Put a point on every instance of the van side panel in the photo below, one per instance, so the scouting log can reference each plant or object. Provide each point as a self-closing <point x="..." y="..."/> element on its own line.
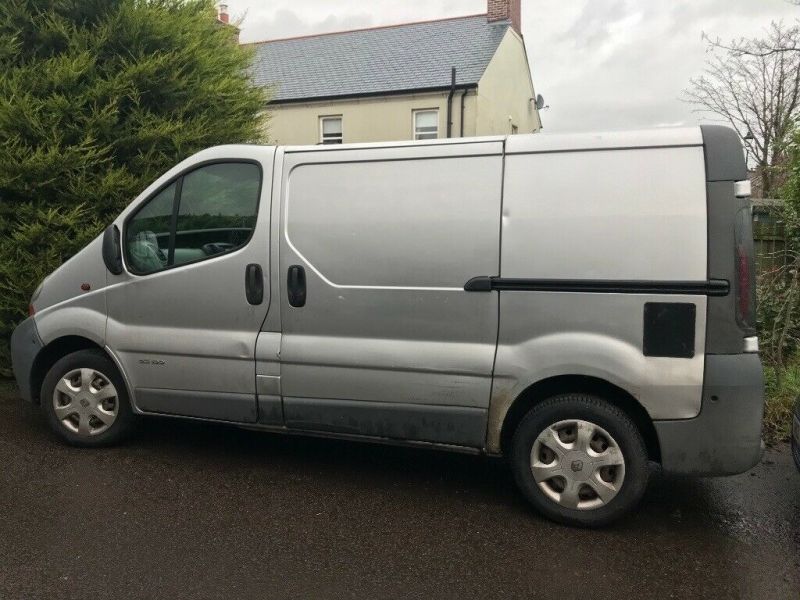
<point x="620" y="220"/>
<point x="388" y="343"/>
<point x="605" y="215"/>
<point x="63" y="308"/>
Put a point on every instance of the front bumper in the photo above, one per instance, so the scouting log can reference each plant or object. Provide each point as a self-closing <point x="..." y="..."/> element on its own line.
<point x="25" y="346"/>
<point x="725" y="438"/>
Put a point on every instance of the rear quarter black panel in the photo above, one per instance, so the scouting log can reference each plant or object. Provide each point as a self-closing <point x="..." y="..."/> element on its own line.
<point x="725" y="165"/>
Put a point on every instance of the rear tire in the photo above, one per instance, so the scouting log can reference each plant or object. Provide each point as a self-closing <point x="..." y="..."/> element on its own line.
<point x="580" y="460"/>
<point x="85" y="400"/>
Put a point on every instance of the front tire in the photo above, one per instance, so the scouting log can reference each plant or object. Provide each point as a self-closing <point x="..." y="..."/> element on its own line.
<point x="85" y="400"/>
<point x="580" y="460"/>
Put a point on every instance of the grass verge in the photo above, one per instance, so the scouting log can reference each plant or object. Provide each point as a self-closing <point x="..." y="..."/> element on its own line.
<point x="780" y="401"/>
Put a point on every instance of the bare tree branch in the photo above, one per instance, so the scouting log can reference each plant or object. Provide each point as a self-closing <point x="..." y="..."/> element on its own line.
<point x="787" y="43"/>
<point x="756" y="91"/>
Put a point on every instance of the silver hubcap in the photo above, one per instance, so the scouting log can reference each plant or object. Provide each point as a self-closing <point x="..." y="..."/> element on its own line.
<point x="577" y="464"/>
<point x="85" y="402"/>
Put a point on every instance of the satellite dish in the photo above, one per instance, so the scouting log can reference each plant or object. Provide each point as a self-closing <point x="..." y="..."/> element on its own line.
<point x="539" y="102"/>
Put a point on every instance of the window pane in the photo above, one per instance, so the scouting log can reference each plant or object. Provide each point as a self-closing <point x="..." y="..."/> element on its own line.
<point x="426" y="125"/>
<point x="331" y="130"/>
<point x="147" y="235"/>
<point x="217" y="211"/>
<point x="428" y="118"/>
<point x="331" y="127"/>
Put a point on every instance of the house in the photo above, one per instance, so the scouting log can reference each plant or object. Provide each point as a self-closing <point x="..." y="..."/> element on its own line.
<point x="455" y="77"/>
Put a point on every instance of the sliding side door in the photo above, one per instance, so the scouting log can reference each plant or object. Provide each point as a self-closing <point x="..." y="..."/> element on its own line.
<point x="379" y="336"/>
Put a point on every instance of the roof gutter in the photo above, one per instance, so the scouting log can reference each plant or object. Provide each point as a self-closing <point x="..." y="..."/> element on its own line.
<point x="450" y="102"/>
<point x="408" y="92"/>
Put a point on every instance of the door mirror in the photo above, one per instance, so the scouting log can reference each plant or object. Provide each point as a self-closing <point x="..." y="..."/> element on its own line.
<point x="112" y="251"/>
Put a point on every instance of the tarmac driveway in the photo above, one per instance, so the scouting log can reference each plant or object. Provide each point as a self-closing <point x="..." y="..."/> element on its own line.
<point x="205" y="511"/>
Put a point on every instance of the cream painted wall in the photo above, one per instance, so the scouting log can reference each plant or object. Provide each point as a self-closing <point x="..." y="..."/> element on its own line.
<point x="505" y="90"/>
<point x="367" y="120"/>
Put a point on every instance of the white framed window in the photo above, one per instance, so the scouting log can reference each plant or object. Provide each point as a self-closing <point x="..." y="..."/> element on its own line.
<point x="426" y="124"/>
<point x="330" y="130"/>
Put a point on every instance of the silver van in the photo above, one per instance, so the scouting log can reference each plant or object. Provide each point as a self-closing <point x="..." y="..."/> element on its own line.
<point x="580" y="304"/>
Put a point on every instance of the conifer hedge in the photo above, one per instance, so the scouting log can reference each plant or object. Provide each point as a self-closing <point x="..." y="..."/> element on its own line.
<point x="97" y="99"/>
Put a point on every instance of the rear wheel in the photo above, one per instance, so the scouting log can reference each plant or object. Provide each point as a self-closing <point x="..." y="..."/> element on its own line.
<point x="580" y="460"/>
<point x="85" y="400"/>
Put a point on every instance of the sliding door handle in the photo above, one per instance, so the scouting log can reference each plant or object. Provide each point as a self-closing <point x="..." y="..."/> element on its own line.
<point x="479" y="284"/>
<point x="296" y="286"/>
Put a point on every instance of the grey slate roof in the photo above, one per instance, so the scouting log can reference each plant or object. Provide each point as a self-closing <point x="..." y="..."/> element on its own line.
<point x="378" y="61"/>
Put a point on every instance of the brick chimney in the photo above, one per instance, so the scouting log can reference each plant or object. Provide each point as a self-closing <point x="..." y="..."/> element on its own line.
<point x="506" y="10"/>
<point x="223" y="15"/>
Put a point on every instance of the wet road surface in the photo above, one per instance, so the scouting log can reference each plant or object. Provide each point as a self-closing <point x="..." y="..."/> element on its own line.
<point x="203" y="511"/>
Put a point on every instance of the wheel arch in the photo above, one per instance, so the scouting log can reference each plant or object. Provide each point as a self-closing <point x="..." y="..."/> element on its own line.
<point x="562" y="384"/>
<point x="54" y="351"/>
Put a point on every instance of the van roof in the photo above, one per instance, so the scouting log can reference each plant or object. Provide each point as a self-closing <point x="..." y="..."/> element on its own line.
<point x="546" y="142"/>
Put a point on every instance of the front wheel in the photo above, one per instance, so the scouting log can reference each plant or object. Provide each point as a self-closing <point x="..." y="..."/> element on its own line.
<point x="85" y="400"/>
<point x="580" y="460"/>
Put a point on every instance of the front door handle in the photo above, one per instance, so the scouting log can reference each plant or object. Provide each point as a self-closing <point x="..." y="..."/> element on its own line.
<point x="296" y="286"/>
<point x="254" y="284"/>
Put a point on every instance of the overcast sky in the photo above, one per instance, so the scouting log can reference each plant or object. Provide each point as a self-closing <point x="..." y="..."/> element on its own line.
<point x="600" y="64"/>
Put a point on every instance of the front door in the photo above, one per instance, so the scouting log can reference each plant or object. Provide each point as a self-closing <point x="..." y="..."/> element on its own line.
<point x="181" y="319"/>
<point x="379" y="336"/>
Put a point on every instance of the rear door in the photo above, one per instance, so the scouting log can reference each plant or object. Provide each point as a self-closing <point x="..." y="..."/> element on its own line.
<point x="379" y="336"/>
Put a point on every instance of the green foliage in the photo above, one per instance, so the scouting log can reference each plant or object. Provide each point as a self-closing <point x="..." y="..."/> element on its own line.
<point x="98" y="98"/>
<point x="791" y="189"/>
<point x="778" y="315"/>
<point x="779" y="289"/>
<point x="782" y="388"/>
<point x="772" y="292"/>
<point x="779" y="312"/>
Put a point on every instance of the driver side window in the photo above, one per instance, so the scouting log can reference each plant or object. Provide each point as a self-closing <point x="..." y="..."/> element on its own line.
<point x="147" y="235"/>
<point x="207" y="212"/>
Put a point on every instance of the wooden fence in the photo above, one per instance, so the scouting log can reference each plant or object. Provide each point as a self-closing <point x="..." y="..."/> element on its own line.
<point x="768" y="236"/>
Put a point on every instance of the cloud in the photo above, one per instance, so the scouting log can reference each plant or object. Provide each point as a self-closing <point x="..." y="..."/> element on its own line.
<point x="287" y="23"/>
<point x="601" y="64"/>
<point x="623" y="63"/>
<point x="593" y="27"/>
<point x="287" y="18"/>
